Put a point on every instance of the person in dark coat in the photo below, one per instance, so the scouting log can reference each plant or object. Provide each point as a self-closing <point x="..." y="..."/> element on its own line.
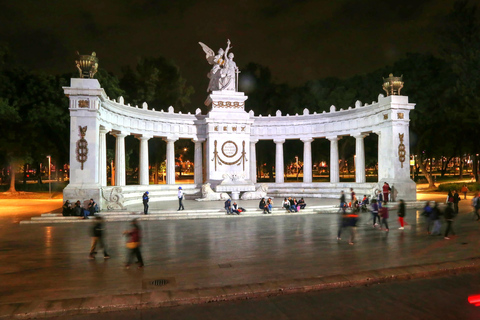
<point x="97" y="238"/>
<point x="67" y="209"/>
<point x="145" y="199"/>
<point x="383" y="211"/>
<point x="449" y="216"/>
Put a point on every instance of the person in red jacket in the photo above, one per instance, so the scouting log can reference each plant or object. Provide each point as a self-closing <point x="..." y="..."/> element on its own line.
<point x="386" y="191"/>
<point x="133" y="244"/>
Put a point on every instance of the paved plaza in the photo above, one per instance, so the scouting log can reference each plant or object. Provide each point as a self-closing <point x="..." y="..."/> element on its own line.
<point x="50" y="262"/>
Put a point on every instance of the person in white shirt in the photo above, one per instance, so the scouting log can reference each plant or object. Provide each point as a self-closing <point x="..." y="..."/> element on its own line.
<point x="180" y="199"/>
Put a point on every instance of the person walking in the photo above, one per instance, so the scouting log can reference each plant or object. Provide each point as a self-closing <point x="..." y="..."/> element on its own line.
<point x="476" y="205"/>
<point x="464" y="191"/>
<point x="133" y="244"/>
<point x="456" y="200"/>
<point x="383" y="211"/>
<point x="180" y="199"/>
<point x="427" y="213"/>
<point x="342" y="200"/>
<point x="145" y="199"/>
<point x="435" y="217"/>
<point x="401" y="213"/>
<point x="449" y="216"/>
<point x="97" y="238"/>
<point x="374" y="210"/>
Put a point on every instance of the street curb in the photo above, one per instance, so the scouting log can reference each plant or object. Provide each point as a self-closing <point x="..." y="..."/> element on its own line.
<point x="168" y="298"/>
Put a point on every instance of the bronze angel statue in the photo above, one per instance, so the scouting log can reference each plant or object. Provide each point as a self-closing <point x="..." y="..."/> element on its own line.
<point x="224" y="70"/>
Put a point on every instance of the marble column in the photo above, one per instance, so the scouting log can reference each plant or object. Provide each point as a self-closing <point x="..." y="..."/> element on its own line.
<point x="170" y="160"/>
<point x="102" y="157"/>
<point x="307" y="160"/>
<point x="144" y="173"/>
<point x="334" y="169"/>
<point x="253" y="161"/>
<point x="198" y="159"/>
<point x="359" y="158"/>
<point x="279" y="161"/>
<point x="120" y="159"/>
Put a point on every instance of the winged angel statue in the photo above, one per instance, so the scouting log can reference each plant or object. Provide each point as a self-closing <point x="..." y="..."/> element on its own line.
<point x="224" y="73"/>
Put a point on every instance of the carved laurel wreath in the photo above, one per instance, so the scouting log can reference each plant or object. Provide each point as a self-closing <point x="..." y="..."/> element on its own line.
<point x="401" y="150"/>
<point x="217" y="159"/>
<point x="82" y="146"/>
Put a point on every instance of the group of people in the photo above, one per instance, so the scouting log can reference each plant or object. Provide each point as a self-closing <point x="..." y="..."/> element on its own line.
<point x="433" y="215"/>
<point x="79" y="211"/>
<point x="133" y="241"/>
<point x="292" y="205"/>
<point x="233" y="208"/>
<point x="146" y="199"/>
<point x="266" y="205"/>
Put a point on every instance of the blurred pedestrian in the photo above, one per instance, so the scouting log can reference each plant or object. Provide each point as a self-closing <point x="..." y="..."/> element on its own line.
<point x="133" y="244"/>
<point x="401" y="213"/>
<point x="374" y="210"/>
<point x="427" y="213"/>
<point x="456" y="200"/>
<point x="383" y="211"/>
<point x="449" y="216"/>
<point x="97" y="238"/>
<point x="435" y="217"/>
<point x="464" y="191"/>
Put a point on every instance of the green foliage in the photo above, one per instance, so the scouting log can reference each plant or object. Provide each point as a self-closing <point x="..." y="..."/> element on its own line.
<point x="158" y="82"/>
<point x="474" y="186"/>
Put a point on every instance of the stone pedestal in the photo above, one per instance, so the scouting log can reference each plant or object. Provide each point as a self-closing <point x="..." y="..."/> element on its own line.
<point x="228" y="139"/>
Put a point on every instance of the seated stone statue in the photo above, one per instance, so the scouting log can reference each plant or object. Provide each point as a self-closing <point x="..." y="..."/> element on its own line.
<point x="260" y="192"/>
<point x="209" y="195"/>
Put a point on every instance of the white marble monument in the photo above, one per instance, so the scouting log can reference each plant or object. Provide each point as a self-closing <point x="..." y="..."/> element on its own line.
<point x="225" y="141"/>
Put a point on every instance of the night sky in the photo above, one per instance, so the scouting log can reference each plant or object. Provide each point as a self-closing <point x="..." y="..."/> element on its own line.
<point x="298" y="40"/>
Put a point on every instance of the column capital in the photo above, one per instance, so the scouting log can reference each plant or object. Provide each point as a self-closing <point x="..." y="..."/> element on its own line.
<point x="120" y="134"/>
<point x="359" y="135"/>
<point x="170" y="139"/>
<point x="143" y="137"/>
<point x="333" y="138"/>
<point x="103" y="130"/>
<point x="306" y="140"/>
<point x="198" y="140"/>
<point x="279" y="141"/>
<point x="253" y="141"/>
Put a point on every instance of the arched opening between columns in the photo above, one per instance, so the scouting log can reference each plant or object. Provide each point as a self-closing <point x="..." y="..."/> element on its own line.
<point x="371" y="157"/>
<point x="293" y="160"/>
<point x="346" y="158"/>
<point x="320" y="160"/>
<point x="184" y="161"/>
<point x="265" y="151"/>
<point x="157" y="154"/>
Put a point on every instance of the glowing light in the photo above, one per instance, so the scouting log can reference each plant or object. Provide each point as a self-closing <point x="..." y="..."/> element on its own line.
<point x="475" y="300"/>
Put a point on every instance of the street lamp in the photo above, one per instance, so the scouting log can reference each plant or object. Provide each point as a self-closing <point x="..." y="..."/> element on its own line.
<point x="49" y="180"/>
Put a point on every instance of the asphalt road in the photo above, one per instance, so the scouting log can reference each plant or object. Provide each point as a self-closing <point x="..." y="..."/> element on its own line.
<point x="436" y="298"/>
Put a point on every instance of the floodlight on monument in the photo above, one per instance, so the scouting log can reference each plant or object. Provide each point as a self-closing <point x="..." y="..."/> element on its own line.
<point x="392" y="85"/>
<point x="87" y="65"/>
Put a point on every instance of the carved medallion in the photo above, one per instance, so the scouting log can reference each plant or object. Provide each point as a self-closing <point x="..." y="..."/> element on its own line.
<point x="400" y="115"/>
<point x="229" y="149"/>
